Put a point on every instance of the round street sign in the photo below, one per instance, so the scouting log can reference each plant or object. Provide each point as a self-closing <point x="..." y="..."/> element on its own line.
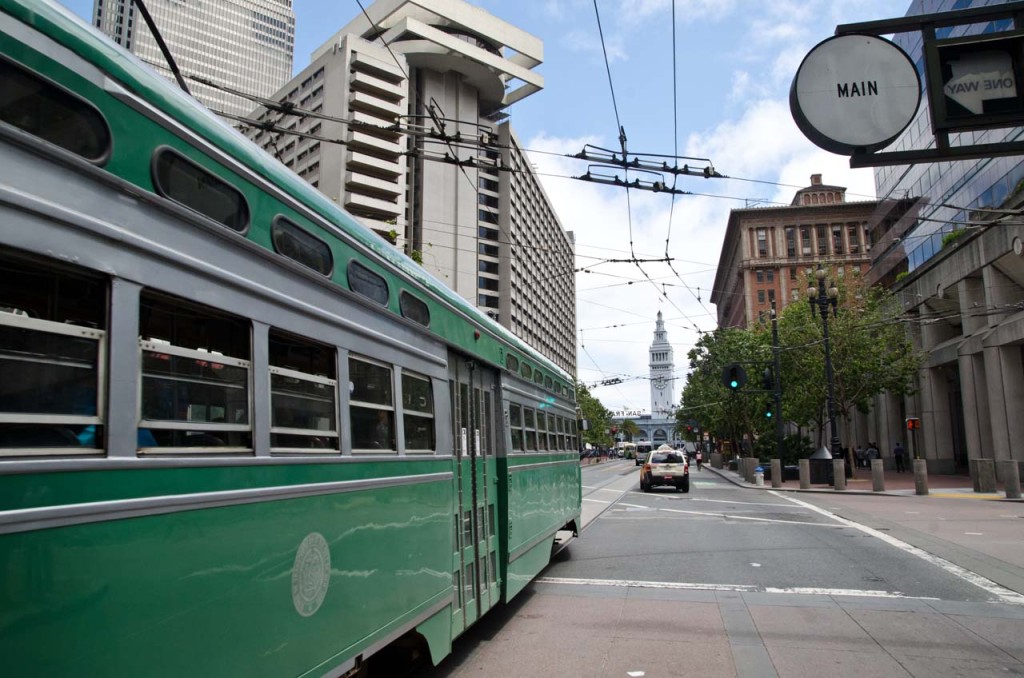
<point x="854" y="93"/>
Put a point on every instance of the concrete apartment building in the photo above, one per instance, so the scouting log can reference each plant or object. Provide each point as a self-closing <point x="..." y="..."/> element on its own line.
<point x="245" y="45"/>
<point x="471" y="209"/>
<point x="768" y="250"/>
<point x="962" y="299"/>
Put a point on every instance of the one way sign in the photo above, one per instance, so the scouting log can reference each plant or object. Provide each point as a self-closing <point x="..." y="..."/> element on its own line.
<point x="979" y="77"/>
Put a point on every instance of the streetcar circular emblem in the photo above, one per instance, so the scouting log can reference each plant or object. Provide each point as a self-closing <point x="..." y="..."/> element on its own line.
<point x="311" y="574"/>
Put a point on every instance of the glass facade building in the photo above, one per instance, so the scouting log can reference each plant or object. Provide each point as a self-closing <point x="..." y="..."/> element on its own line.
<point x="245" y="45"/>
<point x="949" y="190"/>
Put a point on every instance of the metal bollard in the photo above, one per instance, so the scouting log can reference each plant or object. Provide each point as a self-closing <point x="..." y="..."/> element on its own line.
<point x="878" y="475"/>
<point x="776" y="473"/>
<point x="805" y="474"/>
<point x="1011" y="479"/>
<point x="921" y="476"/>
<point x="839" y="474"/>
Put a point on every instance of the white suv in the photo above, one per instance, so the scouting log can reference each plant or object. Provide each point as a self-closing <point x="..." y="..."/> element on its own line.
<point x="666" y="467"/>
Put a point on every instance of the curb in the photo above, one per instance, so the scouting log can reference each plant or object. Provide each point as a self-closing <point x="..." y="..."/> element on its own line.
<point x="733" y="478"/>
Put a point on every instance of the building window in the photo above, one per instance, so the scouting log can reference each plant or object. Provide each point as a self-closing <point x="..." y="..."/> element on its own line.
<point x="792" y="272"/>
<point x="770" y="275"/>
<point x="805" y="240"/>
<point x="822" y="239"/>
<point x="837" y="239"/>
<point x="762" y="242"/>
<point x="760" y="275"/>
<point x="771" y="295"/>
<point x="760" y="296"/>
<point x="854" y="236"/>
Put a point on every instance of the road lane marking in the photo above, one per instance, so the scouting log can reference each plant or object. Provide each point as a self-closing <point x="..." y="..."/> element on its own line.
<point x="596" y="501"/>
<point x="737" y="588"/>
<point x="760" y="520"/>
<point x="1004" y="594"/>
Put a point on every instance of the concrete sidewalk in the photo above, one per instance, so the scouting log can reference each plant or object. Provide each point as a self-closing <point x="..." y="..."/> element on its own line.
<point x="959" y="486"/>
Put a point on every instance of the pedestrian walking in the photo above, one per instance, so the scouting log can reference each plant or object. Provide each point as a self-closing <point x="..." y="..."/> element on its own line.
<point x="899" y="454"/>
<point x="700" y="460"/>
<point x="862" y="460"/>
<point x="871" y="453"/>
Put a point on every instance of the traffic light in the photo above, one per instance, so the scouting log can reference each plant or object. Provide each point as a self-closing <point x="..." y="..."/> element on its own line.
<point x="733" y="377"/>
<point x="768" y="413"/>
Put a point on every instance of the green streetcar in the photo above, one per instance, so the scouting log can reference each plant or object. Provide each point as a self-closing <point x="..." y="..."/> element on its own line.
<point x="240" y="434"/>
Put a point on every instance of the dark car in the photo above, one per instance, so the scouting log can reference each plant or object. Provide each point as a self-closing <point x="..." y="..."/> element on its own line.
<point x="665" y="467"/>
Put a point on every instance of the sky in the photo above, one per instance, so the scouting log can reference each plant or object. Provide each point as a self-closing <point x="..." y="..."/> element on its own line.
<point x="718" y="91"/>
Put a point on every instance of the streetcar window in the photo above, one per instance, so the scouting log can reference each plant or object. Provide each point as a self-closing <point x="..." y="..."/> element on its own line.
<point x="552" y="433"/>
<point x="52" y="354"/>
<point x="365" y="282"/>
<point x="515" y="423"/>
<point x="526" y="371"/>
<point x="511" y="363"/>
<point x="187" y="183"/>
<point x="530" y="429"/>
<point x="417" y="413"/>
<point x="42" y="109"/>
<point x="548" y="384"/>
<point x="414" y="309"/>
<point x="538" y="377"/>
<point x="294" y="242"/>
<point x="371" y="406"/>
<point x="561" y="433"/>
<point x="542" y="436"/>
<point x="195" y="377"/>
<point x="303" y="395"/>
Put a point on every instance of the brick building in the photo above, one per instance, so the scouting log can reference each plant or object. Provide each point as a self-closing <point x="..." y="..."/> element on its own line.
<point x="767" y="250"/>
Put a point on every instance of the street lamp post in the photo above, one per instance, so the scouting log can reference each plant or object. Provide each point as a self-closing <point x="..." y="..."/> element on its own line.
<point x="824" y="298"/>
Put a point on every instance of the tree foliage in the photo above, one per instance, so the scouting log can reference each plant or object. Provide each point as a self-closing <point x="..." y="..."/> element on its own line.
<point x="871" y="354"/>
<point x="725" y="414"/>
<point x="596" y="414"/>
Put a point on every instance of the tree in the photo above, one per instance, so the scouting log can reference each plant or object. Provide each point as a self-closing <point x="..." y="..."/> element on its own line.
<point x="597" y="415"/>
<point x="871" y="354"/>
<point x="726" y="414"/>
<point x="629" y="429"/>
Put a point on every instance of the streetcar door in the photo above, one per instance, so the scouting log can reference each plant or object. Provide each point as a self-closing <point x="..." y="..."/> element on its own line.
<point x="475" y="558"/>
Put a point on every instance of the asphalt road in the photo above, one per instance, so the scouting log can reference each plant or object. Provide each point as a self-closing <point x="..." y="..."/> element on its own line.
<point x="721" y="537"/>
<point x="729" y="581"/>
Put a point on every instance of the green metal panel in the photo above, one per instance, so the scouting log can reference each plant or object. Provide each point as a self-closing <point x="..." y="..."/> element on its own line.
<point x="543" y="495"/>
<point x="212" y="592"/>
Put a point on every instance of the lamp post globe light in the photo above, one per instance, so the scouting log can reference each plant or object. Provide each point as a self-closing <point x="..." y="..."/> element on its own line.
<point x="823" y="299"/>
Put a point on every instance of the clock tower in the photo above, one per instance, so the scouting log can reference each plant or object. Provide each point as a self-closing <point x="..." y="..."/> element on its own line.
<point x="662" y="379"/>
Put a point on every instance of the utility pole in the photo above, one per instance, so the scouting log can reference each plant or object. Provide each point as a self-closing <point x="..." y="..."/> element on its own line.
<point x="776" y="350"/>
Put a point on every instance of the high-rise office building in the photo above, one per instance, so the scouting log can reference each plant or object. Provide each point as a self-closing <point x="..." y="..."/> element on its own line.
<point x="957" y="266"/>
<point x="416" y="97"/>
<point x="245" y="45"/>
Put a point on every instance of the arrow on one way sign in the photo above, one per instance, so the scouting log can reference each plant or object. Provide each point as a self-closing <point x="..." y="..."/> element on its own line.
<point x="981" y="77"/>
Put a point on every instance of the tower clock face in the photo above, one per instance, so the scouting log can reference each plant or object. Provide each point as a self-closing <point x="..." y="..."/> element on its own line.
<point x="660" y="383"/>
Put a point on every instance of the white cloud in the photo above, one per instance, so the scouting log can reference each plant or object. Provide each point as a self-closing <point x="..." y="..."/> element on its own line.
<point x="616" y="304"/>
